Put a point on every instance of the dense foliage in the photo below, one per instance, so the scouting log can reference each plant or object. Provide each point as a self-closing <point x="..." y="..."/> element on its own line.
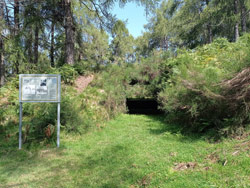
<point x="209" y="87"/>
<point x="198" y="78"/>
<point x="79" y="111"/>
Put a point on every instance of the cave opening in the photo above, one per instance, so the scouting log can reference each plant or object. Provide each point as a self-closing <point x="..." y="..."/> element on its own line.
<point x="142" y="106"/>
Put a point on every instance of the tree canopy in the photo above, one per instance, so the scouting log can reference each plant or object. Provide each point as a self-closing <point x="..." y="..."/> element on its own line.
<point x="36" y="34"/>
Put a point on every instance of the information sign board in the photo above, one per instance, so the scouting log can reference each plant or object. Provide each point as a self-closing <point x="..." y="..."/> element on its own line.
<point x="39" y="88"/>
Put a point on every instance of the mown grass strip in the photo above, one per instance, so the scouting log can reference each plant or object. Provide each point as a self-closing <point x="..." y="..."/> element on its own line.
<point x="130" y="151"/>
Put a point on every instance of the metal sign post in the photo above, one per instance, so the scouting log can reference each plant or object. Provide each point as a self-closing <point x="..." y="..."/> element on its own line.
<point x="20" y="124"/>
<point x="58" y="125"/>
<point x="39" y="88"/>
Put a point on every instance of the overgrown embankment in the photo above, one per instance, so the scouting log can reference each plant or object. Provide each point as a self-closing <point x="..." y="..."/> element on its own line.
<point x="209" y="87"/>
<point x="203" y="89"/>
<point x="81" y="110"/>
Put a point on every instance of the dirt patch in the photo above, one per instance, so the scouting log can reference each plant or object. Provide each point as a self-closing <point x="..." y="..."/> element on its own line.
<point x="206" y="168"/>
<point x="50" y="153"/>
<point x="235" y="153"/>
<point x="145" y="181"/>
<point x="82" y="82"/>
<point x="244" y="146"/>
<point x="4" y="101"/>
<point x="173" y="154"/>
<point x="184" y="166"/>
<point x="213" y="157"/>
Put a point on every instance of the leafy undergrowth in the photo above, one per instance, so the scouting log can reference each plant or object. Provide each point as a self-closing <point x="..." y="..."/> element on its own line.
<point x="208" y="87"/>
<point x="82" y="109"/>
<point x="132" y="151"/>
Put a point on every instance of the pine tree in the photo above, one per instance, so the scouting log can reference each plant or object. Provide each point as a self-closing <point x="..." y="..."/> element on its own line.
<point x="2" y="65"/>
<point x="122" y="44"/>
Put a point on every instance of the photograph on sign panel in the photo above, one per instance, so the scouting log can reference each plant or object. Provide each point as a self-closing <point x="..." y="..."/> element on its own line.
<point x="43" y="82"/>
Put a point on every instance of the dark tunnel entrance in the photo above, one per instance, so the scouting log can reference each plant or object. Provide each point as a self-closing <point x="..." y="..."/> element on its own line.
<point x="142" y="106"/>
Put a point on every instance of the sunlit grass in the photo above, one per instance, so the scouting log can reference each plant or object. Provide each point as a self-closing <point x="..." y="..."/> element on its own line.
<point x="130" y="151"/>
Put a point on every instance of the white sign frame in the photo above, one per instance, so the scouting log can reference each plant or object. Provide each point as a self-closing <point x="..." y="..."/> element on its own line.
<point x="41" y="76"/>
<point x="41" y="86"/>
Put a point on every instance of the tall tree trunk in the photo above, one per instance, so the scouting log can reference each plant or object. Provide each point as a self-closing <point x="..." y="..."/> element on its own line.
<point x="210" y="34"/>
<point x="2" y="66"/>
<point x="52" y="43"/>
<point x="29" y="45"/>
<point x="243" y="12"/>
<point x="36" y="43"/>
<point x="7" y="15"/>
<point x="209" y="29"/>
<point x="16" y="17"/>
<point x="236" y="27"/>
<point x="69" y="32"/>
<point x="165" y="43"/>
<point x="16" y="30"/>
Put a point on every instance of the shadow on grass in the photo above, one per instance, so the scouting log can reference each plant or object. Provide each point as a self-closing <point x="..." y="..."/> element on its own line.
<point x="27" y="173"/>
<point x="185" y="132"/>
<point x="15" y="164"/>
<point x="107" y="168"/>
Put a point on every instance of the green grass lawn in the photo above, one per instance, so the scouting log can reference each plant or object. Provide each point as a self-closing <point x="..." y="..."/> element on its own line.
<point x="130" y="151"/>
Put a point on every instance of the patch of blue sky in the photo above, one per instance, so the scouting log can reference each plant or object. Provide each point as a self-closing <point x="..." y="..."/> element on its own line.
<point x="134" y="15"/>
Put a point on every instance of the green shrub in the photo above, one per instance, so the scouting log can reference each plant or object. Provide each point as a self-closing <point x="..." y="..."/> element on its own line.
<point x="82" y="67"/>
<point x="68" y="74"/>
<point x="112" y="84"/>
<point x="147" y="77"/>
<point x="196" y="92"/>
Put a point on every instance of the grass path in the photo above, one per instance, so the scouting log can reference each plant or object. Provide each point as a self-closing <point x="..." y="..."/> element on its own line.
<point x="131" y="151"/>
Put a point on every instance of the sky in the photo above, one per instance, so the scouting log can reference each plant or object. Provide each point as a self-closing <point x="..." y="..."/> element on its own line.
<point x="135" y="16"/>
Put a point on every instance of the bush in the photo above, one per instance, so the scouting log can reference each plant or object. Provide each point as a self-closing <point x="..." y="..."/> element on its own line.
<point x="147" y="77"/>
<point x="197" y="92"/>
<point x="67" y="72"/>
<point x="82" y="67"/>
<point x="113" y="89"/>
